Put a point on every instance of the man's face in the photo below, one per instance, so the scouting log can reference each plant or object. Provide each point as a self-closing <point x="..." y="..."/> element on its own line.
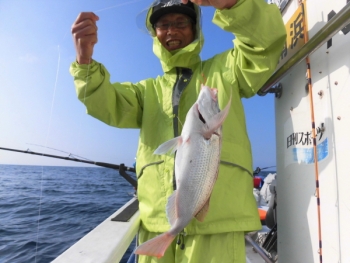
<point x="174" y="31"/>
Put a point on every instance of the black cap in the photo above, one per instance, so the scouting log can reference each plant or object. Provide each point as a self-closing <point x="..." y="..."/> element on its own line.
<point x="164" y="8"/>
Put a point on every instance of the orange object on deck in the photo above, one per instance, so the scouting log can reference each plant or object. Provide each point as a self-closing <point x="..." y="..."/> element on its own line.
<point x="262" y="214"/>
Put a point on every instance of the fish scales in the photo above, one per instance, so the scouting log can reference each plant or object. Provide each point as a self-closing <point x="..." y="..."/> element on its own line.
<point x="196" y="168"/>
<point x="202" y="174"/>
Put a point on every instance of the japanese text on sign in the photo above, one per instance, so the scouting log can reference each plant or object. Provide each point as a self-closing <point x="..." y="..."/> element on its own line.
<point x="303" y="138"/>
<point x="295" y="36"/>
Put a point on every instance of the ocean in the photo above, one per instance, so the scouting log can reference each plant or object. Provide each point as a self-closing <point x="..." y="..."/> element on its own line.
<point x="68" y="202"/>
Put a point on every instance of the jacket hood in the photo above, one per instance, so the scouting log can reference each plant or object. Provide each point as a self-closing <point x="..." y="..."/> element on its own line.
<point x="185" y="57"/>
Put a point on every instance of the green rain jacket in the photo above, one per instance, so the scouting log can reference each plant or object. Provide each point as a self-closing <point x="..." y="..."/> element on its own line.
<point x="148" y="106"/>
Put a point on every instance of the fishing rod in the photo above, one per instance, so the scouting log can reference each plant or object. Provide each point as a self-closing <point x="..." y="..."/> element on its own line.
<point x="258" y="169"/>
<point x="70" y="154"/>
<point x="121" y="168"/>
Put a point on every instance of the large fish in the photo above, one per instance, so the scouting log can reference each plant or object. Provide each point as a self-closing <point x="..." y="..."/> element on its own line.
<point x="196" y="168"/>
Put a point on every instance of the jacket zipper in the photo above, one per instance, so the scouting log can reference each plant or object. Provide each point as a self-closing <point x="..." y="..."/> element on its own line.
<point x="183" y="77"/>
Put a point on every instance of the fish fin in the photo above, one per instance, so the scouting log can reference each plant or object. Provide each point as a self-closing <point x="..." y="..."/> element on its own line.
<point x="167" y="146"/>
<point x="216" y="121"/>
<point x="203" y="212"/>
<point x="171" y="209"/>
<point x="155" y="247"/>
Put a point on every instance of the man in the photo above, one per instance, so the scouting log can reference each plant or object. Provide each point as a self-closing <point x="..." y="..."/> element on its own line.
<point x="158" y="107"/>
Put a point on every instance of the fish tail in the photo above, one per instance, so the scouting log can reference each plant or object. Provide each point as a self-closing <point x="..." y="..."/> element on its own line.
<point x="155" y="247"/>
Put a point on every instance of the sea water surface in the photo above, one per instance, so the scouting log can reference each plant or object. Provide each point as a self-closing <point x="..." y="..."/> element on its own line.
<point x="44" y="209"/>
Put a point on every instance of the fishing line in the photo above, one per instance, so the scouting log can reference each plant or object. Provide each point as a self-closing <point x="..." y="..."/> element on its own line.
<point x="69" y="154"/>
<point x="89" y="65"/>
<point x="50" y="122"/>
<point x="119" y="5"/>
<point x="42" y="167"/>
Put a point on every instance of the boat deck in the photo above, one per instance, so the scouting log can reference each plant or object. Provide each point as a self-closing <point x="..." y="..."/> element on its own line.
<point x="109" y="241"/>
<point x="251" y="255"/>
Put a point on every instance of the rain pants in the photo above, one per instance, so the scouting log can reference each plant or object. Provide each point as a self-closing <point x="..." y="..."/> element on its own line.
<point x="158" y="106"/>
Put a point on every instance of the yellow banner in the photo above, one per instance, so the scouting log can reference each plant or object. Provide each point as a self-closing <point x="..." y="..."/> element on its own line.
<point x="295" y="36"/>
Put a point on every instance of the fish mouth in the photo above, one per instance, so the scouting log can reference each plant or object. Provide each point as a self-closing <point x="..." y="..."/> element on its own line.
<point x="200" y="115"/>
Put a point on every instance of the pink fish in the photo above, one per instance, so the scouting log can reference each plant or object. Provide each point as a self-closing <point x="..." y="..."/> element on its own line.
<point x="196" y="168"/>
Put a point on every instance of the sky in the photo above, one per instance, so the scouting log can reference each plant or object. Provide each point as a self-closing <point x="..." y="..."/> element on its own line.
<point x="39" y="109"/>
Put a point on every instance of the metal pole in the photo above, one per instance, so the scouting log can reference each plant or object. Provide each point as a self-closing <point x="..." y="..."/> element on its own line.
<point x="258" y="249"/>
<point x="333" y="26"/>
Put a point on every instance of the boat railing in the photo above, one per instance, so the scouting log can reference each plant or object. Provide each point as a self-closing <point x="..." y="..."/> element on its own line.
<point x="107" y="242"/>
<point x="332" y="27"/>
